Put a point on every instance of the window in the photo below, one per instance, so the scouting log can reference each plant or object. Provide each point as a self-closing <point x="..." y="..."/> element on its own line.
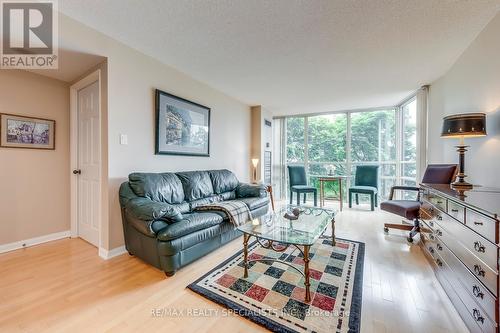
<point x="335" y="144"/>
<point x="295" y="140"/>
<point x="373" y="136"/>
<point x="373" y="142"/>
<point x="326" y="143"/>
<point x="408" y="161"/>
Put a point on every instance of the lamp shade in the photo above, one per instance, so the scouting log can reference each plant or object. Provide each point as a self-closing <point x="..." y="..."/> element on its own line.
<point x="465" y="124"/>
<point x="255" y="162"/>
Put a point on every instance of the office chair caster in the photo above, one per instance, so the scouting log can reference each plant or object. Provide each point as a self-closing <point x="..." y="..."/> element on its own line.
<point x="409" y="239"/>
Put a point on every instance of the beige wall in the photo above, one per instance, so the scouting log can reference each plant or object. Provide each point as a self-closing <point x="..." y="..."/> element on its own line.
<point x="34" y="196"/>
<point x="471" y="85"/>
<point x="132" y="78"/>
<point x="261" y="135"/>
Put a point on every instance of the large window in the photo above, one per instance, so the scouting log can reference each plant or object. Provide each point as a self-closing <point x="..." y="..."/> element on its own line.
<point x="408" y="162"/>
<point x="295" y="145"/>
<point x="335" y="144"/>
<point x="327" y="151"/>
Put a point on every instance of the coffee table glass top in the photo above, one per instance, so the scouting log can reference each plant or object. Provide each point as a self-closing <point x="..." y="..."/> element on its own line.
<point x="310" y="225"/>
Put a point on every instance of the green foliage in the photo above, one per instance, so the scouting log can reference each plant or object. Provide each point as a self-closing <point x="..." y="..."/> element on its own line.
<point x="295" y="139"/>
<point x="327" y="138"/>
<point x="373" y="136"/>
<point x="372" y="133"/>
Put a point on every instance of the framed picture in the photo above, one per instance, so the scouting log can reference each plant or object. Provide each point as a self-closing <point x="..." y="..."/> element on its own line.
<point x="182" y="127"/>
<point x="27" y="132"/>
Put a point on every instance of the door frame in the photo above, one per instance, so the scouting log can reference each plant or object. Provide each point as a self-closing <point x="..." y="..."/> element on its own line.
<point x="84" y="82"/>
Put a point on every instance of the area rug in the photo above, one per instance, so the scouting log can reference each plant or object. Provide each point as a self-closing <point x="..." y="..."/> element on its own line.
<point x="273" y="294"/>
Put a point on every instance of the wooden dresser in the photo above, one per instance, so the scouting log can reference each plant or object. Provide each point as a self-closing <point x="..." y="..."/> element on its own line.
<point x="460" y="236"/>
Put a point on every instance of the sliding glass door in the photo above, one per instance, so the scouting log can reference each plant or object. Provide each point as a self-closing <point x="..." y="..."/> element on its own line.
<point x="336" y="143"/>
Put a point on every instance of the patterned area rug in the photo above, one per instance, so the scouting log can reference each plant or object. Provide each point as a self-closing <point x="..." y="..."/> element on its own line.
<point x="273" y="294"/>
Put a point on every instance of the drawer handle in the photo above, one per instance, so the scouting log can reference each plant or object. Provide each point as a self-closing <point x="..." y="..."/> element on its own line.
<point x="454" y="210"/>
<point x="431" y="236"/>
<point x="478" y="270"/>
<point x="439" y="233"/>
<point x="439" y="218"/>
<point x="431" y="250"/>
<point x="477" y="292"/>
<point x="439" y="262"/>
<point x="478" y="223"/>
<point x="439" y="202"/>
<point x="477" y="316"/>
<point x="431" y="223"/>
<point x="439" y="247"/>
<point x="479" y="247"/>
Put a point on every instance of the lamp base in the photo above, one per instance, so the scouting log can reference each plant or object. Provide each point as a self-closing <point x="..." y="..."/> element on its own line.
<point x="462" y="185"/>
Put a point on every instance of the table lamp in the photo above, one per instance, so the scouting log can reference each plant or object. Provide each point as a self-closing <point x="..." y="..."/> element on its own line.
<point x="255" y="162"/>
<point x="461" y="126"/>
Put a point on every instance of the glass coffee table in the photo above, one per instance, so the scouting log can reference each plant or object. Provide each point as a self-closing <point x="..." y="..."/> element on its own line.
<point x="274" y="231"/>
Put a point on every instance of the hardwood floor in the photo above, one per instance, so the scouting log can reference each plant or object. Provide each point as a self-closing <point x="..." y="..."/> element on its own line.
<point x="63" y="286"/>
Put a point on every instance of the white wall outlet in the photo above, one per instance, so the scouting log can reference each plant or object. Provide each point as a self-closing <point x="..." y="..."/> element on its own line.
<point x="123" y="139"/>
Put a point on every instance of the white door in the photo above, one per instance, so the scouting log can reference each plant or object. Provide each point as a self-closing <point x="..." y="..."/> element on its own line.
<point x="89" y="156"/>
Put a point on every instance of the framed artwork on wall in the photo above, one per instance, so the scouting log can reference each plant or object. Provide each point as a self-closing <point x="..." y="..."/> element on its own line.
<point x="27" y="132"/>
<point x="182" y="126"/>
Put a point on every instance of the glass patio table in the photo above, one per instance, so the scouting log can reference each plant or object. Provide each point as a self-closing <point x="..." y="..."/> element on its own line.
<point x="274" y="231"/>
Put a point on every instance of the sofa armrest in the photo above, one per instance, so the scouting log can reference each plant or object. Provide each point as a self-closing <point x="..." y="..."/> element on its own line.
<point x="148" y="216"/>
<point x="245" y="190"/>
<point x="148" y="210"/>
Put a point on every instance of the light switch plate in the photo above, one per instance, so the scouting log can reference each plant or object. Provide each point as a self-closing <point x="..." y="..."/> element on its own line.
<point x="123" y="139"/>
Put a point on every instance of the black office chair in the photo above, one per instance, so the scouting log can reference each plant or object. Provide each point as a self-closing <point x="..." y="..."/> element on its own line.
<point x="298" y="184"/>
<point x="410" y="209"/>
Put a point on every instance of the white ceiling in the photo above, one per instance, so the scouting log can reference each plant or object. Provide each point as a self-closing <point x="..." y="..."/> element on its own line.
<point x="297" y="56"/>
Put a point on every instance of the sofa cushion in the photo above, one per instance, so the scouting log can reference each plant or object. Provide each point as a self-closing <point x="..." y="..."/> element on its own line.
<point x="161" y="187"/>
<point x="205" y="201"/>
<point x="251" y="190"/>
<point x="174" y="246"/>
<point x="191" y="223"/>
<point x="231" y="195"/>
<point x="254" y="203"/>
<point x="196" y="184"/>
<point x="223" y="181"/>
<point x="183" y="207"/>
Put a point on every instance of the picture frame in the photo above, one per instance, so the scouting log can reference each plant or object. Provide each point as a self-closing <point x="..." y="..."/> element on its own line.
<point x="17" y="131"/>
<point x="182" y="126"/>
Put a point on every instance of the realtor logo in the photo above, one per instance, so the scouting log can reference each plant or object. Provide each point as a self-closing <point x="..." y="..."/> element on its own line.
<point x="29" y="34"/>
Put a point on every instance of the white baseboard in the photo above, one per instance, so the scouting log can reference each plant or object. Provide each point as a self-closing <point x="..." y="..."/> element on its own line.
<point x="105" y="254"/>
<point x="34" y="241"/>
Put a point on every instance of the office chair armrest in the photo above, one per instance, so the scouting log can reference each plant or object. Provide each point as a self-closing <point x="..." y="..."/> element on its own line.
<point x="404" y="188"/>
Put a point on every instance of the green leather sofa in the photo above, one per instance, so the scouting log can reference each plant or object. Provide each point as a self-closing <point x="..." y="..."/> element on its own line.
<point x="159" y="222"/>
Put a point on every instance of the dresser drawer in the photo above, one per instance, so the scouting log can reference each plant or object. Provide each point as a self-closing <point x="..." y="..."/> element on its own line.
<point x="470" y="312"/>
<point x="456" y="211"/>
<point x="482" y="224"/>
<point x="479" y="269"/>
<point x="430" y="249"/>
<point x="436" y="200"/>
<point x="475" y="289"/>
<point x="479" y="246"/>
